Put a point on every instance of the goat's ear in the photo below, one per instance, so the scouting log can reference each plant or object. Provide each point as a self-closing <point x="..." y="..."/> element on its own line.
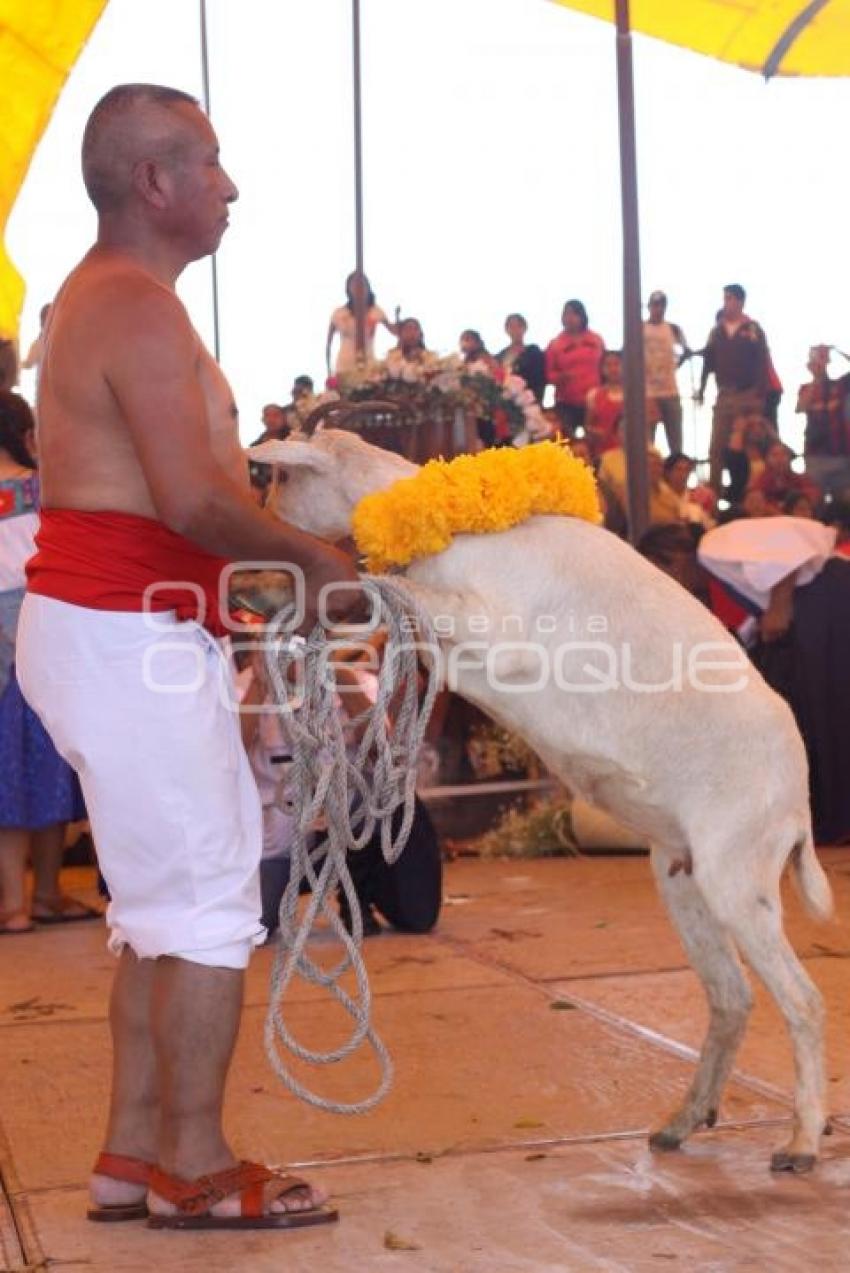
<point x="290" y="454"/>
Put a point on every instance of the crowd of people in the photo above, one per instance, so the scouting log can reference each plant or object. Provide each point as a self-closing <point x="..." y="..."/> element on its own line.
<point x="578" y="380"/>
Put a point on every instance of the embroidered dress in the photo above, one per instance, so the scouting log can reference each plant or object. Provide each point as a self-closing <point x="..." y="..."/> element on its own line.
<point x="38" y="788"/>
<point x="18" y="524"/>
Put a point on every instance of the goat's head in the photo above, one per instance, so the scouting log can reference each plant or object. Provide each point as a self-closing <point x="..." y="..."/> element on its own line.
<point x="320" y="479"/>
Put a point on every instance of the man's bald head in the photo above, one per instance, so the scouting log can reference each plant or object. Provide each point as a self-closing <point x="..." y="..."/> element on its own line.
<point x="133" y="122"/>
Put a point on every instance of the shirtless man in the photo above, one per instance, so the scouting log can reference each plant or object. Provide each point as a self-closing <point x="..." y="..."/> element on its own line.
<point x="144" y="482"/>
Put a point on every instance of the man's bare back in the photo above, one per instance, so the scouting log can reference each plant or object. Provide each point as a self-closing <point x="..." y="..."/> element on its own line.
<point x="95" y="333"/>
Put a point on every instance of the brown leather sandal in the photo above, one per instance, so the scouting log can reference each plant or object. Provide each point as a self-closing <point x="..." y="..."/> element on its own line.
<point x="133" y="1171"/>
<point x="194" y="1199"/>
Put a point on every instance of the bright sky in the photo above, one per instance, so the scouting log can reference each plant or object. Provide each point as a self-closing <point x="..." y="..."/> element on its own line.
<point x="491" y="172"/>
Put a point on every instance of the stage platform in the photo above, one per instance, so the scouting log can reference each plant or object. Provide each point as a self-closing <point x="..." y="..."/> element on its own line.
<point x="537" y="1035"/>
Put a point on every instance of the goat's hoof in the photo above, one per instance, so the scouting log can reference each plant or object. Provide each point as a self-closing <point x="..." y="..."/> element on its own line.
<point x="828" y="1129"/>
<point x="665" y="1141"/>
<point x="799" y="1164"/>
<point x="710" y="1119"/>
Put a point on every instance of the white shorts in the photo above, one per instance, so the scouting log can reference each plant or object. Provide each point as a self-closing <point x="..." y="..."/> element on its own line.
<point x="146" y="716"/>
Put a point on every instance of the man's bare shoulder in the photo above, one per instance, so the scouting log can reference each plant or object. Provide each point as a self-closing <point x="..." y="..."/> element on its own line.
<point x="123" y="301"/>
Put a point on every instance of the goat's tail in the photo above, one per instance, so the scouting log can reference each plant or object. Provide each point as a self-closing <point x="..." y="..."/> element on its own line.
<point x="810" y="878"/>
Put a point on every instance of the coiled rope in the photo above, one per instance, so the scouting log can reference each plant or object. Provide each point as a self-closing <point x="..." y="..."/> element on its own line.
<point x="354" y="788"/>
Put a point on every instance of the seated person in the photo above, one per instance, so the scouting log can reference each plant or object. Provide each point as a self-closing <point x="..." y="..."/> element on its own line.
<point x="408" y="893"/>
<point x="778" y="480"/>
<point x="697" y="504"/>
<point x="672" y="547"/>
<point x="663" y="502"/>
<point x="744" y="457"/>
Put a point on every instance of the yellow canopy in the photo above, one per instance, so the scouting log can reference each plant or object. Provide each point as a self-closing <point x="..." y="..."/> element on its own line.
<point x="773" y="37"/>
<point x="40" y="41"/>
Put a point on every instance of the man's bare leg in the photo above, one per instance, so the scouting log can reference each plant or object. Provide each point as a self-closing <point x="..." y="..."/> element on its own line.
<point x="14" y="904"/>
<point x="196" y="1011"/>
<point x="133" y="1126"/>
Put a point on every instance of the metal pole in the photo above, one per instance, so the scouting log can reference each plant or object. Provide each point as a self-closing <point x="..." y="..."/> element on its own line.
<point x="360" y="296"/>
<point x="637" y="469"/>
<point x="205" y="76"/>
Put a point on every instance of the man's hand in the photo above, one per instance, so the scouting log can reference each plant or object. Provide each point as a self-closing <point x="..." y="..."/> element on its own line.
<point x="333" y="567"/>
<point x="779" y="615"/>
<point x="774" y="625"/>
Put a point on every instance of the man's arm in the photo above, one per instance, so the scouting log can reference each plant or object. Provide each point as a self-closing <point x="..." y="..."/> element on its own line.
<point x="151" y="366"/>
<point x="685" y="352"/>
<point x="764" y="362"/>
<point x="707" y="365"/>
<point x="779" y="615"/>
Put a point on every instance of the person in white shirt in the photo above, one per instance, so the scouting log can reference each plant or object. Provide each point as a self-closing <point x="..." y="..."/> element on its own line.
<point x="664" y="349"/>
<point x="343" y="324"/>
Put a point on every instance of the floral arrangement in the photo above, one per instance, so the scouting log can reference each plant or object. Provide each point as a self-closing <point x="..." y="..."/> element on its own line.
<point x="432" y="384"/>
<point x="471" y="494"/>
<point x="493" y="751"/>
<point x="543" y="830"/>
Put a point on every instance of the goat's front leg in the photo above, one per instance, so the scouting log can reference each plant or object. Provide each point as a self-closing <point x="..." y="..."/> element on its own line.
<point x="713" y="958"/>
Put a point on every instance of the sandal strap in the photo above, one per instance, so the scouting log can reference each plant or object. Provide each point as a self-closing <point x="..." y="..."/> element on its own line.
<point x="133" y="1171"/>
<point x="197" y="1197"/>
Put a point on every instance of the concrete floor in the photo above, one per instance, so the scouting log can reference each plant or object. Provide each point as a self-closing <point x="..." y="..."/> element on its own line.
<point x="536" y="1036"/>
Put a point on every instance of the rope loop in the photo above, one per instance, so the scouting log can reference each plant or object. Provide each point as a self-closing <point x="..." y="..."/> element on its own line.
<point x="355" y="788"/>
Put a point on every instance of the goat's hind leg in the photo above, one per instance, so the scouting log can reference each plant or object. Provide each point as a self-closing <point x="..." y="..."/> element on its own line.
<point x="715" y="961"/>
<point x="756" y="926"/>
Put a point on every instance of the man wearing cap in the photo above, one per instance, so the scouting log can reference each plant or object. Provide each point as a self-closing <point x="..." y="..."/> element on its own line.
<point x="664" y="349"/>
<point x="736" y="354"/>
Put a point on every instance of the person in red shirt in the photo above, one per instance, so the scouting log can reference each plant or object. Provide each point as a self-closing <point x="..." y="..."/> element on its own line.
<point x="573" y="366"/>
<point x="778" y="480"/>
<point x="605" y="406"/>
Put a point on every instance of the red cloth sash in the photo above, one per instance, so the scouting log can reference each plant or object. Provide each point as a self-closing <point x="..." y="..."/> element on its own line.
<point x="107" y="561"/>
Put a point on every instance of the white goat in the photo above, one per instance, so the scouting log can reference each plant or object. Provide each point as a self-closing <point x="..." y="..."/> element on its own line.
<point x="633" y="694"/>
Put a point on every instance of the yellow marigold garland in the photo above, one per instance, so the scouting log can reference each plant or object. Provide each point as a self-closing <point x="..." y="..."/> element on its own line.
<point x="472" y="494"/>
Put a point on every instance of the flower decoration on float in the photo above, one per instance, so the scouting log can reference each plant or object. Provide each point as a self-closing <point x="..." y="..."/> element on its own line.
<point x="430" y="384"/>
<point x="473" y="494"/>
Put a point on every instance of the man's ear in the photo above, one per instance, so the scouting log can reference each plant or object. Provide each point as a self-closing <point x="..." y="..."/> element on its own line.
<point x="145" y="180"/>
<point x="290" y="454"/>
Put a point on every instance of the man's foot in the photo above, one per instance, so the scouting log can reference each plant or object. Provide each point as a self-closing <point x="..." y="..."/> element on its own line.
<point x="62" y="909"/>
<point x="118" y="1188"/>
<point x="12" y="923"/>
<point x="246" y="1195"/>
